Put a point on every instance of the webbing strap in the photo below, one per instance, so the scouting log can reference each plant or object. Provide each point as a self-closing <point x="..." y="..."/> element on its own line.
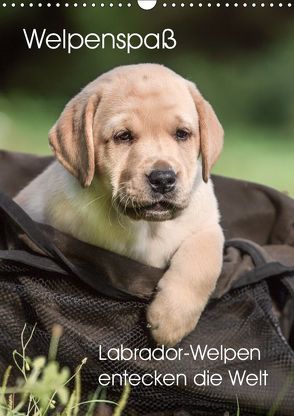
<point x="263" y="269"/>
<point x="17" y="216"/>
<point x="31" y="260"/>
<point x="247" y="247"/>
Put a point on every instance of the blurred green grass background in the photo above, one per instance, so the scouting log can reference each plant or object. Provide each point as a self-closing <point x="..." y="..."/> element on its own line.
<point x="242" y="62"/>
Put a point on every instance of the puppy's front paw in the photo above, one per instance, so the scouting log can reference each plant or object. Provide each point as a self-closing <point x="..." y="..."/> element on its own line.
<point x="172" y="315"/>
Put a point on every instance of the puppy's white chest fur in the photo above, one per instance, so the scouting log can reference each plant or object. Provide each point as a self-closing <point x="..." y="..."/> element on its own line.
<point x="88" y="214"/>
<point x="155" y="243"/>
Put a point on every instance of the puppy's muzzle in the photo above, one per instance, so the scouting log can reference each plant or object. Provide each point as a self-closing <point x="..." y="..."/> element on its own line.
<point x="162" y="181"/>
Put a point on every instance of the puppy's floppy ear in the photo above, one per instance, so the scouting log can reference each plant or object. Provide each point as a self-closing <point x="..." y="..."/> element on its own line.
<point x="211" y="132"/>
<point x="71" y="138"/>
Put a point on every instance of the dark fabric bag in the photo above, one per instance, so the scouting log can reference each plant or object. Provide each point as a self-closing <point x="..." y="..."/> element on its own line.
<point x="100" y="299"/>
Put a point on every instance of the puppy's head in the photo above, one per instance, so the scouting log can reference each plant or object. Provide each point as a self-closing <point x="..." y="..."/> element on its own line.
<point x="140" y="128"/>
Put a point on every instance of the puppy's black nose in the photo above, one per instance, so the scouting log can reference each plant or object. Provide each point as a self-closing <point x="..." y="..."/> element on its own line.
<point x="162" y="181"/>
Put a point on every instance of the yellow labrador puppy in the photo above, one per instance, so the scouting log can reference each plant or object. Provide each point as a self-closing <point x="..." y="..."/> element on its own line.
<point x="128" y="178"/>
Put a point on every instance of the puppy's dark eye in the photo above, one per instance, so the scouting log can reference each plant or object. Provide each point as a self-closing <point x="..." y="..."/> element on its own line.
<point x="123" y="136"/>
<point x="182" y="134"/>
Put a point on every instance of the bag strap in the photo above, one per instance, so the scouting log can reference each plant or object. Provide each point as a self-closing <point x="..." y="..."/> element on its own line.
<point x="263" y="270"/>
<point x="55" y="261"/>
<point x="247" y="247"/>
<point x="31" y="260"/>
